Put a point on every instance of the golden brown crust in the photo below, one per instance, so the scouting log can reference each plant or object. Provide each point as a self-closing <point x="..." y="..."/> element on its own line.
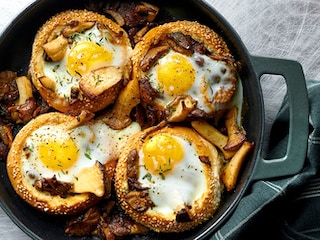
<point x="202" y="209"/>
<point x="60" y="25"/>
<point x="43" y="201"/>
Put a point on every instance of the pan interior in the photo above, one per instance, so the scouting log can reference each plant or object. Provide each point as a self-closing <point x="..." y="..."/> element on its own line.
<point x="15" y="49"/>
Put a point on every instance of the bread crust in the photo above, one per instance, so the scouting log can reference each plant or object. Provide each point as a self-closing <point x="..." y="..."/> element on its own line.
<point x="52" y="29"/>
<point x="43" y="201"/>
<point x="200" y="211"/>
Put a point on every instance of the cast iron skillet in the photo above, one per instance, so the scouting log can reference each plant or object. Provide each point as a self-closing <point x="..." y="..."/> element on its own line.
<point x="15" y="48"/>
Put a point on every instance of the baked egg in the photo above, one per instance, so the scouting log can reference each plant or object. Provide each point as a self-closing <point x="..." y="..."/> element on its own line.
<point x="57" y="147"/>
<point x="89" y="51"/>
<point x="185" y="65"/>
<point x="168" y="179"/>
<point x="80" y="60"/>
<point x="198" y="76"/>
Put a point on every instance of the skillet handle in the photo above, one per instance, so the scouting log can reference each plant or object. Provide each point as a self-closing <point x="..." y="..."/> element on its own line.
<point x="294" y="159"/>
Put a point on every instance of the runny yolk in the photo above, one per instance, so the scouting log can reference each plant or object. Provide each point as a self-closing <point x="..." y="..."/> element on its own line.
<point x="161" y="153"/>
<point x="58" y="154"/>
<point x="87" y="56"/>
<point x="176" y="74"/>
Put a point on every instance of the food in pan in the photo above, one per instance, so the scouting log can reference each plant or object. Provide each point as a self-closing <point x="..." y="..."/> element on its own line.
<point x="150" y="109"/>
<point x="168" y="179"/>
<point x="184" y="62"/>
<point x="80" y="60"/>
<point x="58" y="163"/>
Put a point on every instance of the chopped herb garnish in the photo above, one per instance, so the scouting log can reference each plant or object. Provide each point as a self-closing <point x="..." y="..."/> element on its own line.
<point x="55" y="68"/>
<point x="166" y="170"/>
<point x="87" y="153"/>
<point x="162" y="176"/>
<point x="148" y="176"/>
<point x="78" y="73"/>
<point x="98" y="80"/>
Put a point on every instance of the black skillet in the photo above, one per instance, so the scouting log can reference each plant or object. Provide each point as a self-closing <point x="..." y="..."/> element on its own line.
<point x="15" y="48"/>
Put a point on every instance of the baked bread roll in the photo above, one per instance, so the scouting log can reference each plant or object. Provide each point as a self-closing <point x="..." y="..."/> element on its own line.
<point x="168" y="179"/>
<point x="184" y="65"/>
<point x="80" y="60"/>
<point x="62" y="164"/>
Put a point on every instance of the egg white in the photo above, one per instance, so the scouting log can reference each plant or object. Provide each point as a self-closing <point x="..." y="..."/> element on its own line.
<point x="95" y="142"/>
<point x="58" y="71"/>
<point x="206" y="78"/>
<point x="183" y="184"/>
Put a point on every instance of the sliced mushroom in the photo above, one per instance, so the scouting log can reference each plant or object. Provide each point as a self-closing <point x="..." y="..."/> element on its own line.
<point x="91" y="180"/>
<point x="24" y="112"/>
<point x="53" y="186"/>
<point x="147" y="92"/>
<point x="134" y="13"/>
<point x="133" y="164"/>
<point x="236" y="135"/>
<point x="138" y="36"/>
<point x="120" y="225"/>
<point x="97" y="82"/>
<point x="6" y="134"/>
<point x="152" y="56"/>
<point x="213" y="135"/>
<point x="8" y="87"/>
<point x="179" y="109"/>
<point x="180" y="43"/>
<point x="84" y="224"/>
<point x="56" y="49"/>
<point x="231" y="171"/>
<point x="119" y="116"/>
<point x="25" y="90"/>
<point x="152" y="10"/>
<point x="6" y="139"/>
<point x="139" y="200"/>
<point x="25" y="105"/>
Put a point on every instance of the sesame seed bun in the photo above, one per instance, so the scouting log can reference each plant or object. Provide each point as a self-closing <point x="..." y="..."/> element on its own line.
<point x="42" y="200"/>
<point x="50" y="44"/>
<point x="200" y="210"/>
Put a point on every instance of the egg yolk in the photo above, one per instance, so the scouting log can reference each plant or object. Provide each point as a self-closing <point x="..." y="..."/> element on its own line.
<point x="87" y="56"/>
<point x="176" y="74"/>
<point x="58" y="154"/>
<point x="161" y="153"/>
